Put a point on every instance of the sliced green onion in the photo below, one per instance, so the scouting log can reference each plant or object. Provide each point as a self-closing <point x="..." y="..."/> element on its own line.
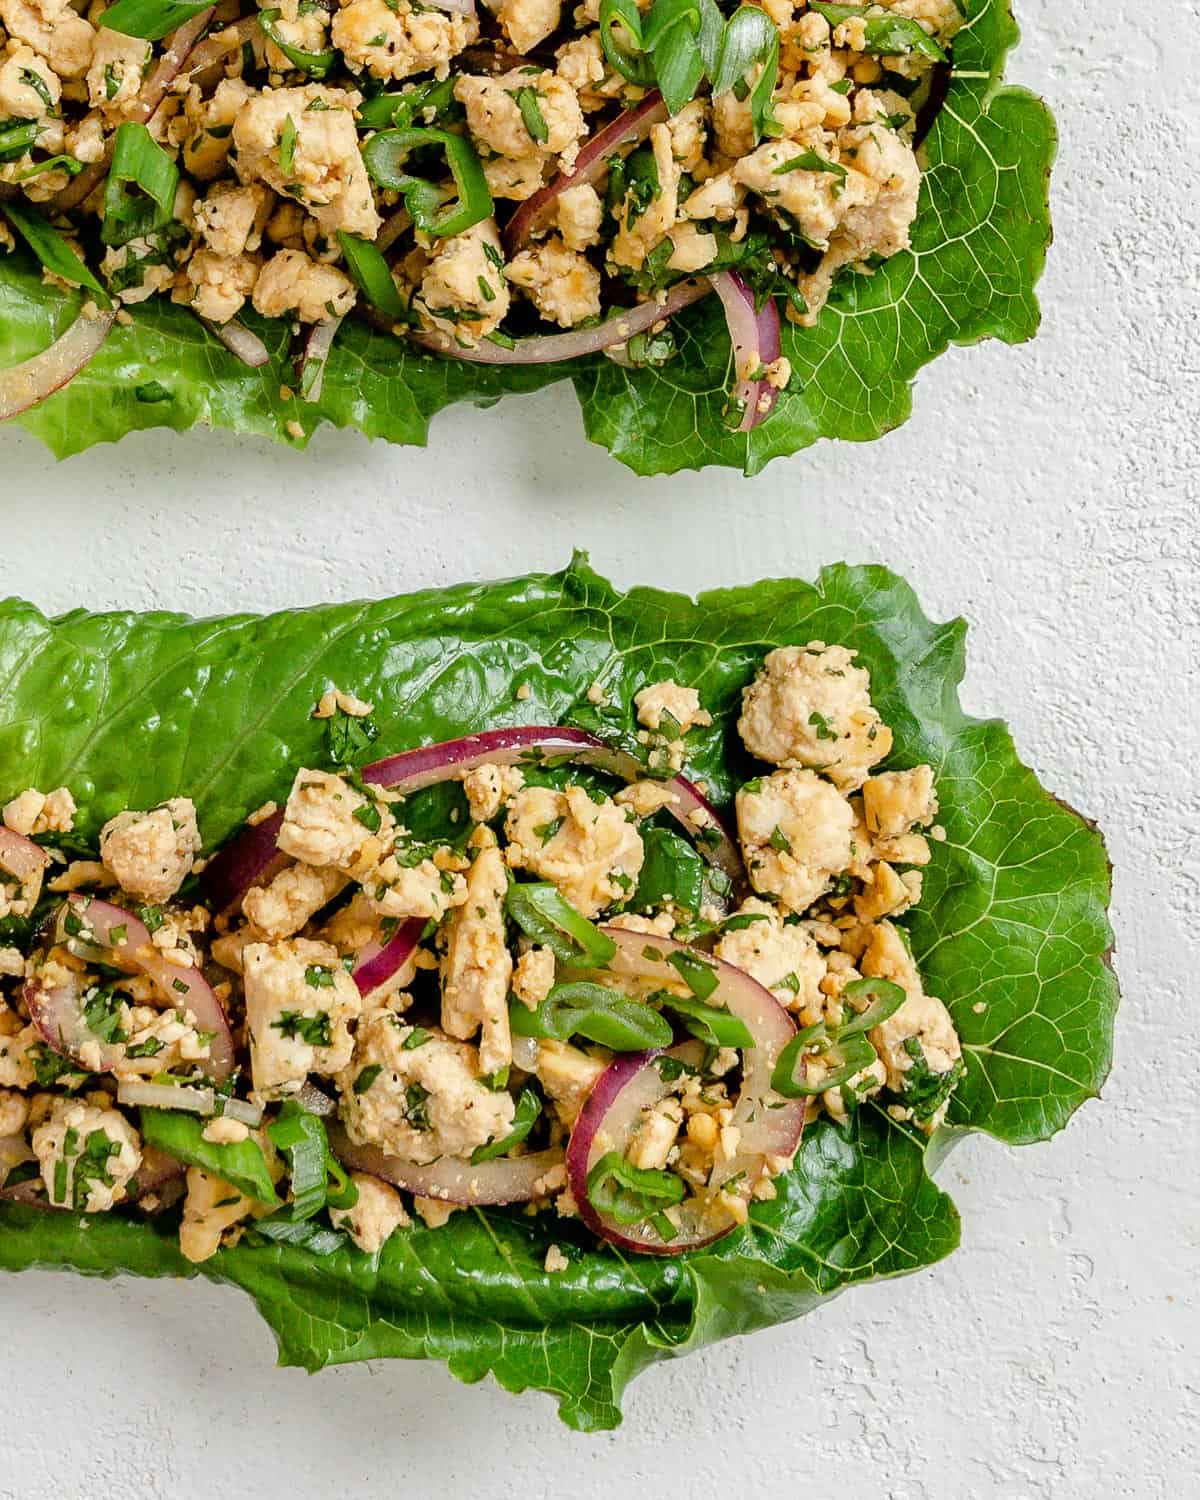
<point x="623" y="42"/>
<point x="629" y="1194"/>
<point x="18" y="138"/>
<point x="751" y="39"/>
<point x="370" y="274"/>
<point x="884" y="997"/>
<point x="302" y="1139"/>
<point x="139" y="196"/>
<point x="66" y="164"/>
<point x="595" y="1012"/>
<point x="51" y="248"/>
<point x="151" y="19"/>
<point x="550" y="920"/>
<point x="708" y="1023"/>
<point x="534" y="121"/>
<point x="315" y="64"/>
<point x="402" y="109"/>
<point x="385" y="155"/>
<point x="849" y="1057"/>
<point x="886" y="34"/>
<point x="810" y="161"/>
<point x="700" y="977"/>
<point x="287" y="146"/>
<point x="529" y="1107"/>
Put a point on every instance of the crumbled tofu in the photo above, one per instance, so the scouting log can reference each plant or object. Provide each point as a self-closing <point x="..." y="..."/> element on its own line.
<point x="494" y="113"/>
<point x="645" y="798"/>
<point x="528" y="22"/>
<point x="14" y="1112"/>
<point x="26" y="81"/>
<point x="811" y="706"/>
<point x="419" y="1101"/>
<point x="896" y="801"/>
<point x="795" y="833"/>
<point x="564" y="286"/>
<point x="783" y="957"/>
<point x="292" y="898"/>
<point x="421" y="890"/>
<point x="87" y="1155"/>
<point x="54" y="30"/>
<point x="477" y="967"/>
<point x="396" y="40"/>
<point x="651" y="1146"/>
<point x="489" y="788"/>
<point x="150" y="854"/>
<point x="681" y="703"/>
<point x="466" y="277"/>
<point x="225" y="1132"/>
<point x="328" y="822"/>
<point x="293" y="282"/>
<point x="16" y="1063"/>
<point x="299" y="1002"/>
<point x="118" y="68"/>
<point x="567" y="1074"/>
<point x="590" y="850"/>
<point x="555" y="1261"/>
<point x="36" y="812"/>
<point x="230" y="218"/>
<point x="375" y="1217"/>
<point x="650" y="224"/>
<point x="218" y="285"/>
<point x="303" y="143"/>
<point x="211" y="1208"/>
<point x="533" y="977"/>
<point x="333" y="700"/>
<point x="580" y="212"/>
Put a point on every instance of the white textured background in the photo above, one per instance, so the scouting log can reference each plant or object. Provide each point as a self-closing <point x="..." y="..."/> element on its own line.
<point x="1049" y="494"/>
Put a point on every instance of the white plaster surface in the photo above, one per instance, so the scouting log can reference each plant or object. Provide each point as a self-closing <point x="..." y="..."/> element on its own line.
<point x="1049" y="494"/>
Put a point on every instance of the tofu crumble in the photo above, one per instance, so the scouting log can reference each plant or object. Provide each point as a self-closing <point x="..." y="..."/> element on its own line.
<point x="436" y="1013"/>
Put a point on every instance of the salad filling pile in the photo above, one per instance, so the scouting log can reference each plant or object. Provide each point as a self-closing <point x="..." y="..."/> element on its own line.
<point x="514" y="186"/>
<point x="582" y="994"/>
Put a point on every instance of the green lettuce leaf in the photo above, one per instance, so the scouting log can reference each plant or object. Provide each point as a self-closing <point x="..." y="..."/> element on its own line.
<point x="979" y="243"/>
<point x="1012" y="933"/>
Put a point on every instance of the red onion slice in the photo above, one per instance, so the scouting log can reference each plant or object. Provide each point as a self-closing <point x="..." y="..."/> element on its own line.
<point x="550" y="348"/>
<point x="250" y="858"/>
<point x="380" y="960"/>
<point x="57" y="1012"/>
<point x="768" y="1124"/>
<point x="508" y="1179"/>
<point x="607" y="1122"/>
<point x="21" y="857"/>
<point x="29" y="383"/>
<point x="591" y="165"/>
<point x="429" y="765"/>
<point x="315" y="343"/>
<point x="755" y="335"/>
<point x="182" y="989"/>
<point x="239" y="340"/>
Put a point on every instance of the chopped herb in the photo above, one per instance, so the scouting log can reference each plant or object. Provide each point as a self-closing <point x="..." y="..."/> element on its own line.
<point x="318" y="977"/>
<point x="416" y="1098"/>
<point x="367" y="1077"/>
<point x="316" y="1031"/>
<point x="821" y="725"/>
<point x="779" y="840"/>
<point x="417" y="1037"/>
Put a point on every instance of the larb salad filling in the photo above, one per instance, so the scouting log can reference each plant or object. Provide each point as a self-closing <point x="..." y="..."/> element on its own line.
<point x="523" y="184"/>
<point x="530" y="967"/>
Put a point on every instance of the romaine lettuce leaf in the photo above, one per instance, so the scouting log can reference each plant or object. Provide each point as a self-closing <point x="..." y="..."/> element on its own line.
<point x="979" y="244"/>
<point x="1013" y="920"/>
